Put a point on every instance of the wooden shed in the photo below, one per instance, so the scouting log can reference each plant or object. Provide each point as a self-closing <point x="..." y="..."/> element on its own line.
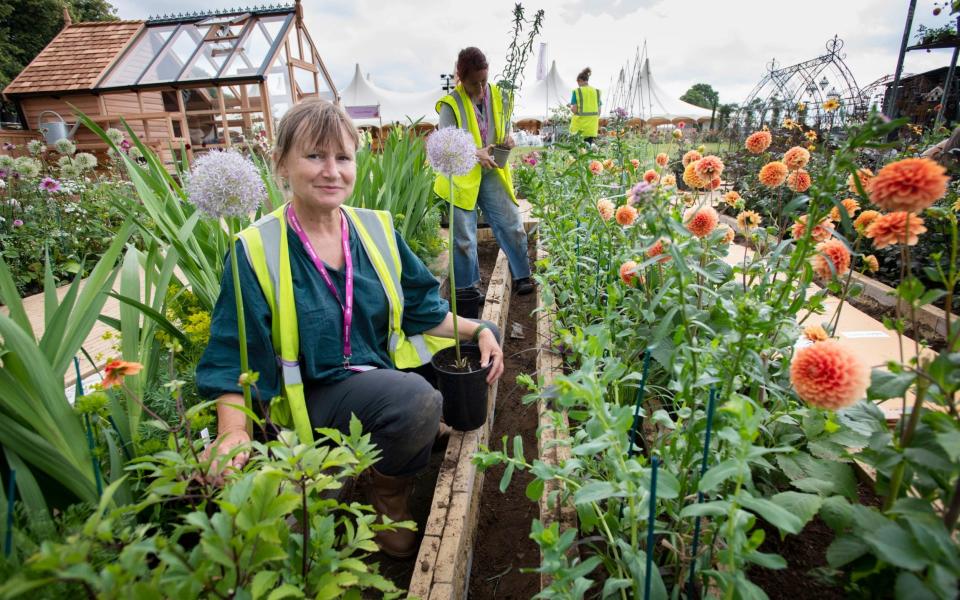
<point x="192" y="81"/>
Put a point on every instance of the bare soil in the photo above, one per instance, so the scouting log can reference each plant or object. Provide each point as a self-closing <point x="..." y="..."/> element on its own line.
<point x="502" y="546"/>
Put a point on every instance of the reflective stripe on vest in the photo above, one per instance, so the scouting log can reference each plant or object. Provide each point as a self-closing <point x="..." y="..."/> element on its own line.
<point x="466" y="188"/>
<point x="265" y="243"/>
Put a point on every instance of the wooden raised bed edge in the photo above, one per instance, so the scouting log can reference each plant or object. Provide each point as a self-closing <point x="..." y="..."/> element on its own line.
<point x="442" y="568"/>
<point x="553" y="430"/>
<point x="928" y="315"/>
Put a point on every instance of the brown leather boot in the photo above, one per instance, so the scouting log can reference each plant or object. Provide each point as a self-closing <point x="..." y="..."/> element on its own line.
<point x="388" y="496"/>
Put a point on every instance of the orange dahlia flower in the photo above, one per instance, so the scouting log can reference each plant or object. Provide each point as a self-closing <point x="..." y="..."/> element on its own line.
<point x="799" y="180"/>
<point x="895" y="228"/>
<point x="701" y="222"/>
<point x="662" y="159"/>
<point x="748" y="220"/>
<point x="658" y="249"/>
<point x="626" y="215"/>
<point x="728" y="234"/>
<point x="732" y="198"/>
<point x="709" y="167"/>
<point x="831" y="253"/>
<point x="628" y="272"/>
<point x="635" y="163"/>
<point x="596" y="167"/>
<point x="863" y="221"/>
<point x="758" y="142"/>
<point x="796" y="158"/>
<point x="850" y="206"/>
<point x="691" y="178"/>
<point x="828" y="375"/>
<point x="773" y="174"/>
<point x="715" y="183"/>
<point x="606" y="209"/>
<point x="691" y="156"/>
<point x="871" y="263"/>
<point x="864" y="175"/>
<point x="669" y="180"/>
<point x="911" y="184"/>
<point x="816" y="333"/>
<point x="116" y="370"/>
<point x="821" y="232"/>
<point x="651" y="176"/>
<point x="608" y="164"/>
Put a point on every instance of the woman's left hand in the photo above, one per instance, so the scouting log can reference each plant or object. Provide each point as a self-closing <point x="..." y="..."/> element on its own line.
<point x="490" y="352"/>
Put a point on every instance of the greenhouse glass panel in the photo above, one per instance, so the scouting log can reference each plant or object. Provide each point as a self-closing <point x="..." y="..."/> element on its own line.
<point x="170" y="63"/>
<point x="131" y="66"/>
<point x="255" y="49"/>
<point x="213" y="53"/>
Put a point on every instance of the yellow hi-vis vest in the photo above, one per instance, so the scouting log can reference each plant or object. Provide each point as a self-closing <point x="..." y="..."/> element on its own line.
<point x="265" y="243"/>
<point x="587" y="120"/>
<point x="466" y="188"/>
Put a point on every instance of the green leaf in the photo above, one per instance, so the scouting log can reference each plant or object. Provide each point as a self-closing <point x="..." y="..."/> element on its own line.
<point x="885" y="385"/>
<point x="911" y="587"/>
<point x="718" y="474"/>
<point x="507" y="476"/>
<point x="895" y="545"/>
<point x="774" y="514"/>
<point x="844" y="550"/>
<point x="262" y="582"/>
<point x="594" y="492"/>
<point x="285" y="591"/>
<point x="804" y="506"/>
<point x="534" y="489"/>
<point x="767" y="561"/>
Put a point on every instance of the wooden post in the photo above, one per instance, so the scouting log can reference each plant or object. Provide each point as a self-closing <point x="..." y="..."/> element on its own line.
<point x="290" y="75"/>
<point x="267" y="112"/>
<point x="223" y="117"/>
<point x="244" y="105"/>
<point x="184" y="126"/>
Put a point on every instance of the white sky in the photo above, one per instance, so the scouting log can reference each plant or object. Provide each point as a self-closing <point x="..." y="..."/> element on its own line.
<point x="406" y="44"/>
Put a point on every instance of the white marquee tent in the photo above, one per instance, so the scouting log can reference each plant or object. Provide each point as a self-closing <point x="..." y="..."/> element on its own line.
<point x="536" y="99"/>
<point x="656" y="107"/>
<point x="362" y="96"/>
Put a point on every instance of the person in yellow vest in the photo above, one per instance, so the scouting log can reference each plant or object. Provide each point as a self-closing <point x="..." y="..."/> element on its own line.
<point x="336" y="304"/>
<point x="478" y="107"/>
<point x="585" y="105"/>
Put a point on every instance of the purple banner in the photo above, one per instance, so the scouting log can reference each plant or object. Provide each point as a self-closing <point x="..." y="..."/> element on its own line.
<point x="364" y="112"/>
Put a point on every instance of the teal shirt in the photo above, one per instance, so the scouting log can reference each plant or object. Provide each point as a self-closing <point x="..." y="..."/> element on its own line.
<point x="320" y="320"/>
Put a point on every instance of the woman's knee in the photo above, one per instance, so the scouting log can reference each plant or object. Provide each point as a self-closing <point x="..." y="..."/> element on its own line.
<point x="416" y="409"/>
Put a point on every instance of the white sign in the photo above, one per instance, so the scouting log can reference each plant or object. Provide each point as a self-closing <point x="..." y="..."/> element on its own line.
<point x="856" y="335"/>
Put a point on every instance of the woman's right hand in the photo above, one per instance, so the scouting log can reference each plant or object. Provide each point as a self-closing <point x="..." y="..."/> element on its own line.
<point x="221" y="447"/>
<point x="484" y="158"/>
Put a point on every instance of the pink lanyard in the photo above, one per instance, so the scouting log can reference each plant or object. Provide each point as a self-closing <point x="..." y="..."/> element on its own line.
<point x="347" y="307"/>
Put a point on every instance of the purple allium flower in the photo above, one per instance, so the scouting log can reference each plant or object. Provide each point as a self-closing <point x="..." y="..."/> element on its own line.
<point x="18" y="223"/>
<point x="225" y="184"/>
<point x="641" y="188"/>
<point x="49" y="185"/>
<point x="451" y="151"/>
<point x="126" y="144"/>
<point x="620" y="112"/>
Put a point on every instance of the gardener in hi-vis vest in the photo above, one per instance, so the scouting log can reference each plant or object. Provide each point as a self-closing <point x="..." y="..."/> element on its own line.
<point x="585" y="105"/>
<point x="478" y="107"/>
<point x="336" y="304"/>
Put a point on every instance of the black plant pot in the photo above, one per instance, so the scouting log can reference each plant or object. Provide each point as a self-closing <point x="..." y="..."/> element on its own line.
<point x="464" y="392"/>
<point x="469" y="303"/>
<point x="501" y="155"/>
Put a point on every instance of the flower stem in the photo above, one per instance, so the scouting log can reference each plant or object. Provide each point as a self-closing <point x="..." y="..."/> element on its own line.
<point x="451" y="276"/>
<point x="241" y="325"/>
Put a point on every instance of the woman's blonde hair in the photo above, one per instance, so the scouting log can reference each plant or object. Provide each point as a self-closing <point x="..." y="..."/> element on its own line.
<point x="313" y="122"/>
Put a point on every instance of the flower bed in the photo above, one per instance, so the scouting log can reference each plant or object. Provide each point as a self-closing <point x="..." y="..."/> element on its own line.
<point x="705" y="411"/>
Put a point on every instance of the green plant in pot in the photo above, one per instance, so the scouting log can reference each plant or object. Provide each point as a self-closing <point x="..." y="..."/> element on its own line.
<point x="512" y="75"/>
<point x="461" y="379"/>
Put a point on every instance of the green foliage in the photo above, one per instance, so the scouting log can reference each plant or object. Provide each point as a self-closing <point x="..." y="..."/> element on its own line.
<point x="703" y="95"/>
<point x="276" y="529"/>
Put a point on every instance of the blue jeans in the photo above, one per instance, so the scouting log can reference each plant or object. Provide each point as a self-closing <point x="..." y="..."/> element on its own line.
<point x="504" y="218"/>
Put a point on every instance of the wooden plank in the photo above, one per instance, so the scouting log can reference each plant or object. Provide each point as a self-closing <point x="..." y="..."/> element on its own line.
<point x="455" y="509"/>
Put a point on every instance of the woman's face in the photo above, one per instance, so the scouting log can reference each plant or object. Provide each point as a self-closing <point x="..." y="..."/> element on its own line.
<point x="475" y="82"/>
<point x="321" y="175"/>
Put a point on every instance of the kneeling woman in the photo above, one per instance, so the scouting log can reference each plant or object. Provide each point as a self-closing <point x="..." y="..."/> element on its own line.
<point x="335" y="304"/>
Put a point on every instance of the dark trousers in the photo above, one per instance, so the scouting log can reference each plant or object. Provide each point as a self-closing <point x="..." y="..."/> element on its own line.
<point x="400" y="410"/>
